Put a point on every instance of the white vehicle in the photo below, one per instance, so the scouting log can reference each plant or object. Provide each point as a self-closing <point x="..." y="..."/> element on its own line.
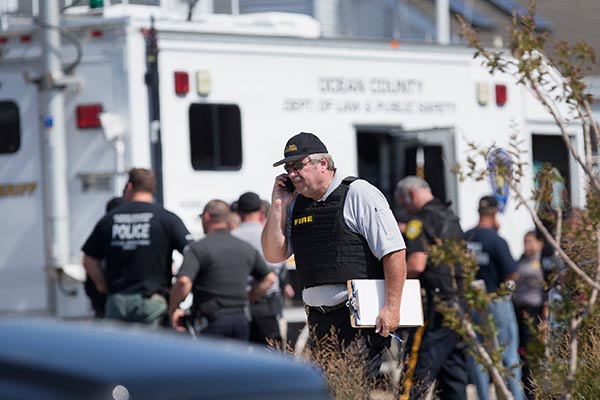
<point x="230" y="92"/>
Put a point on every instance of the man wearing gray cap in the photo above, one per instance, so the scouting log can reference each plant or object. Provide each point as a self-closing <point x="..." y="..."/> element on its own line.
<point x="338" y="227"/>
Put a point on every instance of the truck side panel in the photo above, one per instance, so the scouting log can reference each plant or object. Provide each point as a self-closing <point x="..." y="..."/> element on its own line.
<point x="414" y="97"/>
<point x="22" y="269"/>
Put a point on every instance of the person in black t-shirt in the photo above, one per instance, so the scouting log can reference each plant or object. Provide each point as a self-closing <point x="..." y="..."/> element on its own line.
<point x="136" y="241"/>
<point x="216" y="270"/>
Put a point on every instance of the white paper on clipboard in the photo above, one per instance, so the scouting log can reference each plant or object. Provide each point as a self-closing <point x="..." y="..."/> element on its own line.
<point x="366" y="298"/>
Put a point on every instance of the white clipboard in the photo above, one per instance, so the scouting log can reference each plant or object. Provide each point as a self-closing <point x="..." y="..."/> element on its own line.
<point x="366" y="298"/>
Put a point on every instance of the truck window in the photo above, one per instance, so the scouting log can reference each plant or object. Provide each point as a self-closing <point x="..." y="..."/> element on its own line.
<point x="215" y="136"/>
<point x="10" y="127"/>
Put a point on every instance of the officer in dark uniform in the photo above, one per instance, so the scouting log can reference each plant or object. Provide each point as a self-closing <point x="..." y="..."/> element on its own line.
<point x="439" y="351"/>
<point x="135" y="241"/>
<point x="216" y="270"/>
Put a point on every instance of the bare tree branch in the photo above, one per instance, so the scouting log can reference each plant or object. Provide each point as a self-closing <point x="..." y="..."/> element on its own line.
<point x="555" y="245"/>
<point x="495" y="374"/>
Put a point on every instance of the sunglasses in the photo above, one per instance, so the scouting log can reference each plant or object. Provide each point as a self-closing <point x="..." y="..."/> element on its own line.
<point x="296" y="166"/>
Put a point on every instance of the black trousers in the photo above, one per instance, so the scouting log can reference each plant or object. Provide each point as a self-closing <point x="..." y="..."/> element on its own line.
<point x="264" y="326"/>
<point x="97" y="299"/>
<point x="230" y="324"/>
<point x="321" y="323"/>
<point x="535" y="313"/>
<point x="441" y="356"/>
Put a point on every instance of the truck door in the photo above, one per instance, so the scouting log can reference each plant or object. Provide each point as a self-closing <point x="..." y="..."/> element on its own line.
<point x="385" y="155"/>
<point x="552" y="149"/>
<point x="22" y="275"/>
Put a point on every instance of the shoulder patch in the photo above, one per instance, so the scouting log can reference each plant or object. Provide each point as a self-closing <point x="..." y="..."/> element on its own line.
<point x="414" y="228"/>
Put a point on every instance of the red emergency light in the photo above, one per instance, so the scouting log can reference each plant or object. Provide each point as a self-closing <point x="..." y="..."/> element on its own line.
<point x="182" y="82"/>
<point x="96" y="33"/>
<point x="26" y="38"/>
<point x="501" y="95"/>
<point x="3" y="40"/>
<point x="88" y="116"/>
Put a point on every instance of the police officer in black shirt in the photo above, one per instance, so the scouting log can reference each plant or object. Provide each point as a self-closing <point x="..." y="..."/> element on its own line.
<point x="136" y="240"/>
<point x="440" y="353"/>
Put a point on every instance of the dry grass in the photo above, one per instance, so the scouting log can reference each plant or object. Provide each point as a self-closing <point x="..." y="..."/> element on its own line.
<point x="344" y="367"/>
<point x="587" y="384"/>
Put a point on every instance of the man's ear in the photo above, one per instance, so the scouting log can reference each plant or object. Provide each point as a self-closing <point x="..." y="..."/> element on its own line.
<point x="324" y="162"/>
<point x="412" y="194"/>
<point x="263" y="214"/>
<point x="128" y="191"/>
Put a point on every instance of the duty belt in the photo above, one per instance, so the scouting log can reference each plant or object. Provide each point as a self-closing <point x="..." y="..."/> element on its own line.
<point x="325" y="309"/>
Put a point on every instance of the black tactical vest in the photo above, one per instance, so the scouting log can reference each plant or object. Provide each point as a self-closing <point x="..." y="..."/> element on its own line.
<point x="325" y="250"/>
<point x="440" y="222"/>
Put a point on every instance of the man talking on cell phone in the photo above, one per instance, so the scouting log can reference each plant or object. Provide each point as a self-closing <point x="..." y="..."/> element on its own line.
<point x="338" y="227"/>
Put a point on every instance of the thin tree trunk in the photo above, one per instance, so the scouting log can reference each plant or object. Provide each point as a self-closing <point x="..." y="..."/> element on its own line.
<point x="573" y="350"/>
<point x="574" y="330"/>
<point x="495" y="375"/>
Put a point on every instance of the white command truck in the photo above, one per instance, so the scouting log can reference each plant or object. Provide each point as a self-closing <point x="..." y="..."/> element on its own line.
<point x="209" y="104"/>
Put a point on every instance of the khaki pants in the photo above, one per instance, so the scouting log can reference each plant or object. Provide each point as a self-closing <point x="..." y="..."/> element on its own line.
<point x="136" y="308"/>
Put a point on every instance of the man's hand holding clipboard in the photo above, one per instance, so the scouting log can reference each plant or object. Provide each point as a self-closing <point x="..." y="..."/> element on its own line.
<point x="388" y="319"/>
<point x="366" y="300"/>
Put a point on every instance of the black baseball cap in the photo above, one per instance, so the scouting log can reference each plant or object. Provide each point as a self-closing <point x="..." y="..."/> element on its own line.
<point x="249" y="202"/>
<point x="300" y="146"/>
<point x="488" y="204"/>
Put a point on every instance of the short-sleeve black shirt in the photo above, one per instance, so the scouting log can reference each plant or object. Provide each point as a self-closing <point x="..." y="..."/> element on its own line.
<point x="219" y="266"/>
<point x="493" y="256"/>
<point x="136" y="240"/>
<point x="434" y="221"/>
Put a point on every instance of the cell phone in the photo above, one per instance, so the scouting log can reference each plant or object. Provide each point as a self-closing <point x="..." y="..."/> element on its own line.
<point x="289" y="186"/>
